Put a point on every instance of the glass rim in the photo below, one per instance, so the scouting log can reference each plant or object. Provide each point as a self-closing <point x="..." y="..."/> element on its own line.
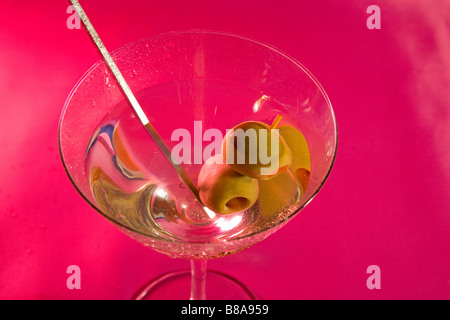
<point x="175" y="239"/>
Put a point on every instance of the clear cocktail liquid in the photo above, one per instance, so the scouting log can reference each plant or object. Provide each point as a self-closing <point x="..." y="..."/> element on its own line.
<point x="135" y="185"/>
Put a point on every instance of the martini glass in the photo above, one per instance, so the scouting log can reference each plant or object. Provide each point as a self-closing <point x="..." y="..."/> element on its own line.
<point x="190" y="84"/>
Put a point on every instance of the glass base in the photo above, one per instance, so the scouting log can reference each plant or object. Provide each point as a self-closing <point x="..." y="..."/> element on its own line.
<point x="176" y="286"/>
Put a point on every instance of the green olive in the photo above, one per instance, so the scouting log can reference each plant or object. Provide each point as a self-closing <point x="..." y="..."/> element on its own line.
<point x="224" y="190"/>
<point x="253" y="149"/>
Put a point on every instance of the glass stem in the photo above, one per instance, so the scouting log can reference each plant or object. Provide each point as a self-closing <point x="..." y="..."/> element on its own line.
<point x="198" y="279"/>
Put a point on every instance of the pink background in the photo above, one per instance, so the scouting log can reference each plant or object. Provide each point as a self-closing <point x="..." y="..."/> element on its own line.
<point x="386" y="202"/>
